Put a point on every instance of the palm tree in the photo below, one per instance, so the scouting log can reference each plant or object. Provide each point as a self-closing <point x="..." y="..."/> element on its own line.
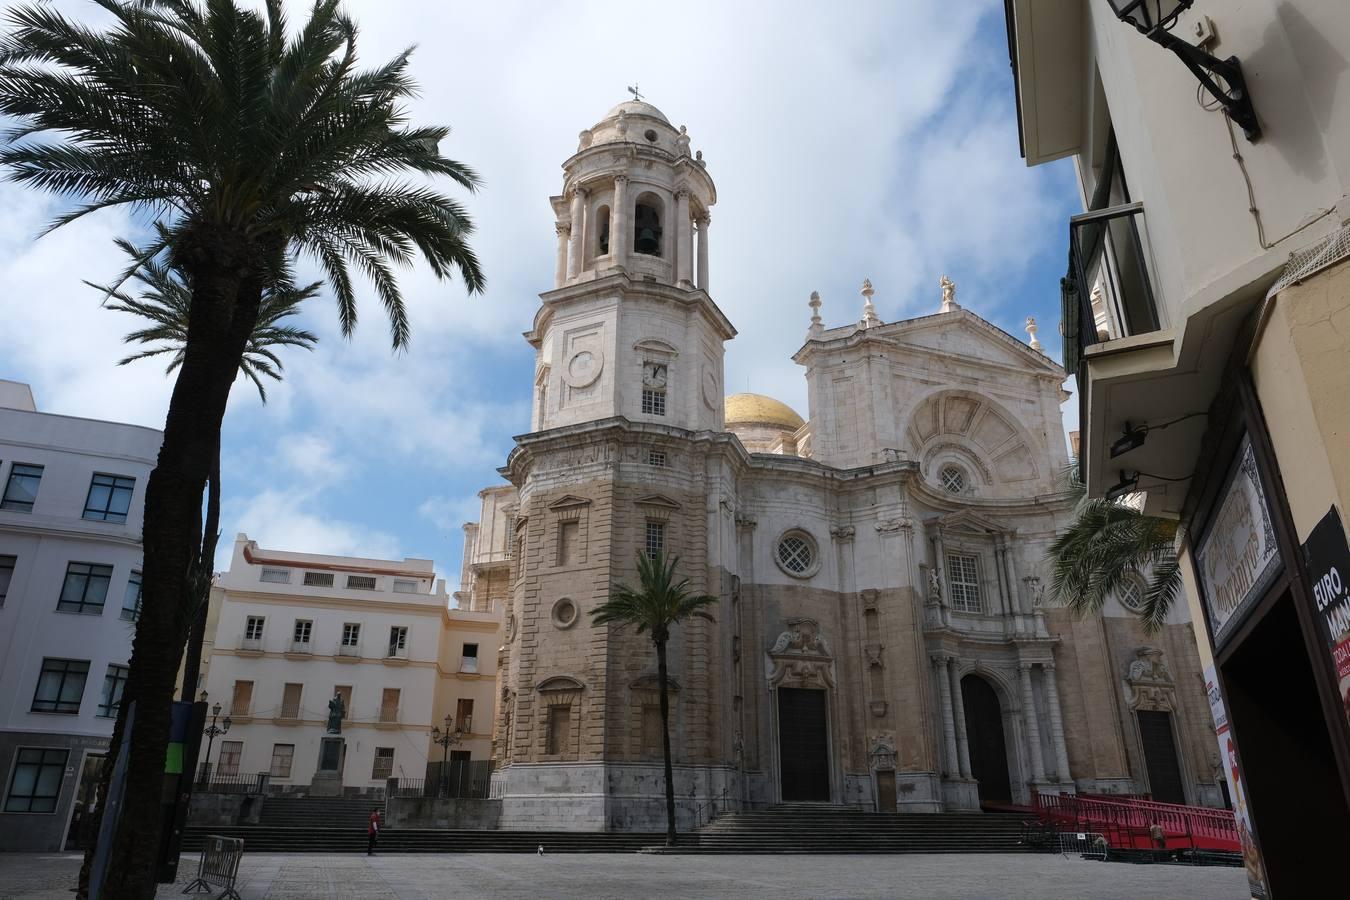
<point x="655" y="605"/>
<point x="250" y="145"/>
<point x="1108" y="542"/>
<point x="166" y="303"/>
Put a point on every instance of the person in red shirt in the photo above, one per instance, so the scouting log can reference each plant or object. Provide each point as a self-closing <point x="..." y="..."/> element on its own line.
<point x="373" y="832"/>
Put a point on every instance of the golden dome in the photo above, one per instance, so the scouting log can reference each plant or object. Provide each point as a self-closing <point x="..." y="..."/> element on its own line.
<point x="756" y="409"/>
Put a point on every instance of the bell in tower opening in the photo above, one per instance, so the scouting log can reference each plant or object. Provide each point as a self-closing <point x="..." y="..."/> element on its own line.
<point x="647" y="230"/>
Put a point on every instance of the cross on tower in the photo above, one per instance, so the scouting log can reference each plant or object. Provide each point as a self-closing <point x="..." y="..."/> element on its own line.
<point x="634" y="91"/>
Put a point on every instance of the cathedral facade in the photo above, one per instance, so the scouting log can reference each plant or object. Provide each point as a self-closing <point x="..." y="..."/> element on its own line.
<point x="881" y="639"/>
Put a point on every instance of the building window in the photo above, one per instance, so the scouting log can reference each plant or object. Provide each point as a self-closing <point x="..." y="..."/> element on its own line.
<point x="464" y="715"/>
<point x="318" y="579"/>
<point x="22" y="487"/>
<point x="796" y="555"/>
<point x="656" y="538"/>
<point x="230" y="754"/>
<point x="963" y="582"/>
<point x="85" y="589"/>
<point x="567" y="541"/>
<point x="290" y="700"/>
<point x="653" y="402"/>
<point x="60" y="687"/>
<point x="361" y="582"/>
<point x="113" y="684"/>
<point x="652" y="743"/>
<point x="109" y="498"/>
<point x="647" y="225"/>
<point x="1132" y="592"/>
<point x="282" y="757"/>
<point x="7" y="564"/>
<point x="398" y="641"/>
<point x="404" y="586"/>
<point x="303" y="629"/>
<point x="276" y="576"/>
<point x="468" y="661"/>
<point x="656" y="458"/>
<point x="953" y="479"/>
<point x="36" y="783"/>
<point x="131" y="599"/>
<point x="389" y="704"/>
<point x="253" y="628"/>
<point x="242" y="701"/>
<point x="558" y="738"/>
<point x="384" y="763"/>
<point x="351" y="634"/>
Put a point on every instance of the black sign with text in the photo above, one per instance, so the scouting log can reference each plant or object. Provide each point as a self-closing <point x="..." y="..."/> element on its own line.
<point x="1328" y="559"/>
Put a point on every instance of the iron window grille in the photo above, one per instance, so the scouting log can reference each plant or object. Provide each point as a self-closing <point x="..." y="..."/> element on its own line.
<point x="384" y="763"/>
<point x="85" y="589"/>
<point x="113" y="684"/>
<point x="60" y="686"/>
<point x="275" y="576"/>
<point x="109" y="498"/>
<point x="131" y="598"/>
<point x="1132" y="593"/>
<point x="963" y="582"/>
<point x="35" y="785"/>
<point x="318" y="579"/>
<point x="361" y="582"/>
<point x="953" y="479"/>
<point x="796" y="554"/>
<point x="398" y="641"/>
<point x="282" y="757"/>
<point x="22" y="488"/>
<point x="228" y="762"/>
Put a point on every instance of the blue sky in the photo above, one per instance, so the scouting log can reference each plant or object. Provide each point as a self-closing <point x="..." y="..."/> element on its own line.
<point x="848" y="141"/>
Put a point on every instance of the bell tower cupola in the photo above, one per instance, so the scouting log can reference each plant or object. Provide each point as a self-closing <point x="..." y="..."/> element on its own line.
<point x="635" y="200"/>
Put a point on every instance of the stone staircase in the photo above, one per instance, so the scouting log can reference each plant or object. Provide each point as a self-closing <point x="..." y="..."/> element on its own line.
<point x="318" y="812"/>
<point x="275" y="839"/>
<point x="810" y="828"/>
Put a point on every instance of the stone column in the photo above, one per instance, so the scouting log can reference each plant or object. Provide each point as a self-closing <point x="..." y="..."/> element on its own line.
<point x="683" y="239"/>
<point x="1056" y="723"/>
<point x="1032" y="723"/>
<point x="578" y="232"/>
<point x="943" y="662"/>
<point x="703" y="221"/>
<point x="560" y="270"/>
<point x="619" y="238"/>
<point x="959" y="712"/>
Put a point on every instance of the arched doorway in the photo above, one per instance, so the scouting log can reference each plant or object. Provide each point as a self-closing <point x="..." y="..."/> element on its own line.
<point x="984" y="738"/>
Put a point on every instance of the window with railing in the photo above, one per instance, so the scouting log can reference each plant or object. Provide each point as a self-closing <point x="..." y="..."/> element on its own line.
<point x="361" y="582"/>
<point x="290" y="701"/>
<point x="384" y="763"/>
<point x="389" y="705"/>
<point x="468" y="659"/>
<point x="351" y="639"/>
<point x="242" y="700"/>
<point x="304" y="628"/>
<point x="398" y="642"/>
<point x="318" y="579"/>
<point x="275" y="576"/>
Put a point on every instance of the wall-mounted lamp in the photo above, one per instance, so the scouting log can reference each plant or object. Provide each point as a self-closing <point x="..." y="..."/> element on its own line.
<point x="1129" y="481"/>
<point x="1154" y="18"/>
<point x="1132" y="439"/>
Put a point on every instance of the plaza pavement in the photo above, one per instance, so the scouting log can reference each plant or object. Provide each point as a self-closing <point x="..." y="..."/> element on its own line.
<point x="36" y="876"/>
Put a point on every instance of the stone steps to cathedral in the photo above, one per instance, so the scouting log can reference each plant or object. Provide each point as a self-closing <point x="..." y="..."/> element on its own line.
<point x="322" y="812"/>
<point x="268" y="839"/>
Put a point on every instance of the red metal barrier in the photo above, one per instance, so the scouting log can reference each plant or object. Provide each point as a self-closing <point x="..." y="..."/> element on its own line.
<point x="1126" y="821"/>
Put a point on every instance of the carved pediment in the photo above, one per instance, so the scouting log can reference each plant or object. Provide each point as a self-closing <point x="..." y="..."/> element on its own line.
<point x="1148" y="684"/>
<point x="658" y="500"/>
<point x="559" y="683"/>
<point x="652" y="346"/>
<point x="569" y="500"/>
<point x="969" y="522"/>
<point x="800" y="657"/>
<point x="652" y="682"/>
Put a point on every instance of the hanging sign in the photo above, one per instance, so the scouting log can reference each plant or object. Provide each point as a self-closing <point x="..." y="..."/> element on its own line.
<point x="1328" y="560"/>
<point x="1238" y="557"/>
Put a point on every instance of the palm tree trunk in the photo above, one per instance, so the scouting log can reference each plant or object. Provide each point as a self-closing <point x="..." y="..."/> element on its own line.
<point x="226" y="282"/>
<point x="202" y="582"/>
<point x="665" y="738"/>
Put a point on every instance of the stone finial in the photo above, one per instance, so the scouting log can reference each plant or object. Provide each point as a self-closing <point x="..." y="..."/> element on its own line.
<point x="816" y="325"/>
<point x="949" y="303"/>
<point x="584" y="139"/>
<point x="1031" y="330"/>
<point x="869" y="318"/>
<point x="698" y="158"/>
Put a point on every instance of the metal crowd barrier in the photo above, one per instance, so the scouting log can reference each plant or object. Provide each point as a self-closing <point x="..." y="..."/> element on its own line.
<point x="219" y="866"/>
<point x="1087" y="844"/>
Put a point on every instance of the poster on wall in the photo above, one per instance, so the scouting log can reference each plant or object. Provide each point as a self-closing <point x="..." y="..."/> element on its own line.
<point x="1328" y="560"/>
<point x="1237" y="557"/>
<point x="1251" y="857"/>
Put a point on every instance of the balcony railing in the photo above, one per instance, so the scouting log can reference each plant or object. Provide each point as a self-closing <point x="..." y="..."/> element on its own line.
<point x="395" y="652"/>
<point x="353" y="650"/>
<point x="289" y="711"/>
<point x="251" y="644"/>
<point x="1108" y="293"/>
<point x="389" y="715"/>
<point x="304" y="648"/>
<point x="239" y="709"/>
<point x="468" y="664"/>
<point x="466" y="779"/>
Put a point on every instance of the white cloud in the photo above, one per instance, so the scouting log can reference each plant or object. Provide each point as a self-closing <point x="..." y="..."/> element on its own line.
<point x="285" y="518"/>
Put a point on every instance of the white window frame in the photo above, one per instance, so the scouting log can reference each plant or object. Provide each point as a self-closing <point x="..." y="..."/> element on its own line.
<point x="966" y="592"/>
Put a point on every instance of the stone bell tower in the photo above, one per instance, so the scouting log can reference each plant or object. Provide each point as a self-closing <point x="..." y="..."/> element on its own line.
<point x="629" y="329"/>
<point x="627" y="424"/>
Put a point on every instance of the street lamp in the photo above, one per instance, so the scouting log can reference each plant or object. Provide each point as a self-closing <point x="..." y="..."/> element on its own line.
<point x="446" y="739"/>
<point x="1154" y="20"/>
<point x="212" y="730"/>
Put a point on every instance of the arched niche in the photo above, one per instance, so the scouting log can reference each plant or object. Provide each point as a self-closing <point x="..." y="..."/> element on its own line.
<point x="974" y="431"/>
<point x="649" y="223"/>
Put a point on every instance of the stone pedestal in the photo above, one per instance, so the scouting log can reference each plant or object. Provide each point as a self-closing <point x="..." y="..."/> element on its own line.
<point x="960" y="794"/>
<point x="327" y="780"/>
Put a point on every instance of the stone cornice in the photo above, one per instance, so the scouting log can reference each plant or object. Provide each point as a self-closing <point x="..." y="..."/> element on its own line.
<point x="626" y="287"/>
<point x="75" y="531"/>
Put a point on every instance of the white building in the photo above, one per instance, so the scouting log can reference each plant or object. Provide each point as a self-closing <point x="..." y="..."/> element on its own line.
<point x="297" y="629"/>
<point x="71" y="494"/>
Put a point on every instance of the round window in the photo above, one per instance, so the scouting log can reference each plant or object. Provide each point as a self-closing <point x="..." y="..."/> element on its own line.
<point x="1132" y="594"/>
<point x="953" y="479"/>
<point x="796" y="554"/>
<point x="564" y="613"/>
<point x="650" y="135"/>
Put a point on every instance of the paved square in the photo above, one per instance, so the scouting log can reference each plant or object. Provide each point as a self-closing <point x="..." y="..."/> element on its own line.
<point x="603" y="876"/>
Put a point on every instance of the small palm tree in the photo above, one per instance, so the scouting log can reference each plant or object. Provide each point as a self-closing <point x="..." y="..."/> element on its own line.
<point x="251" y="142"/>
<point x="166" y="302"/>
<point x="1109" y="542"/>
<point x="659" y="602"/>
